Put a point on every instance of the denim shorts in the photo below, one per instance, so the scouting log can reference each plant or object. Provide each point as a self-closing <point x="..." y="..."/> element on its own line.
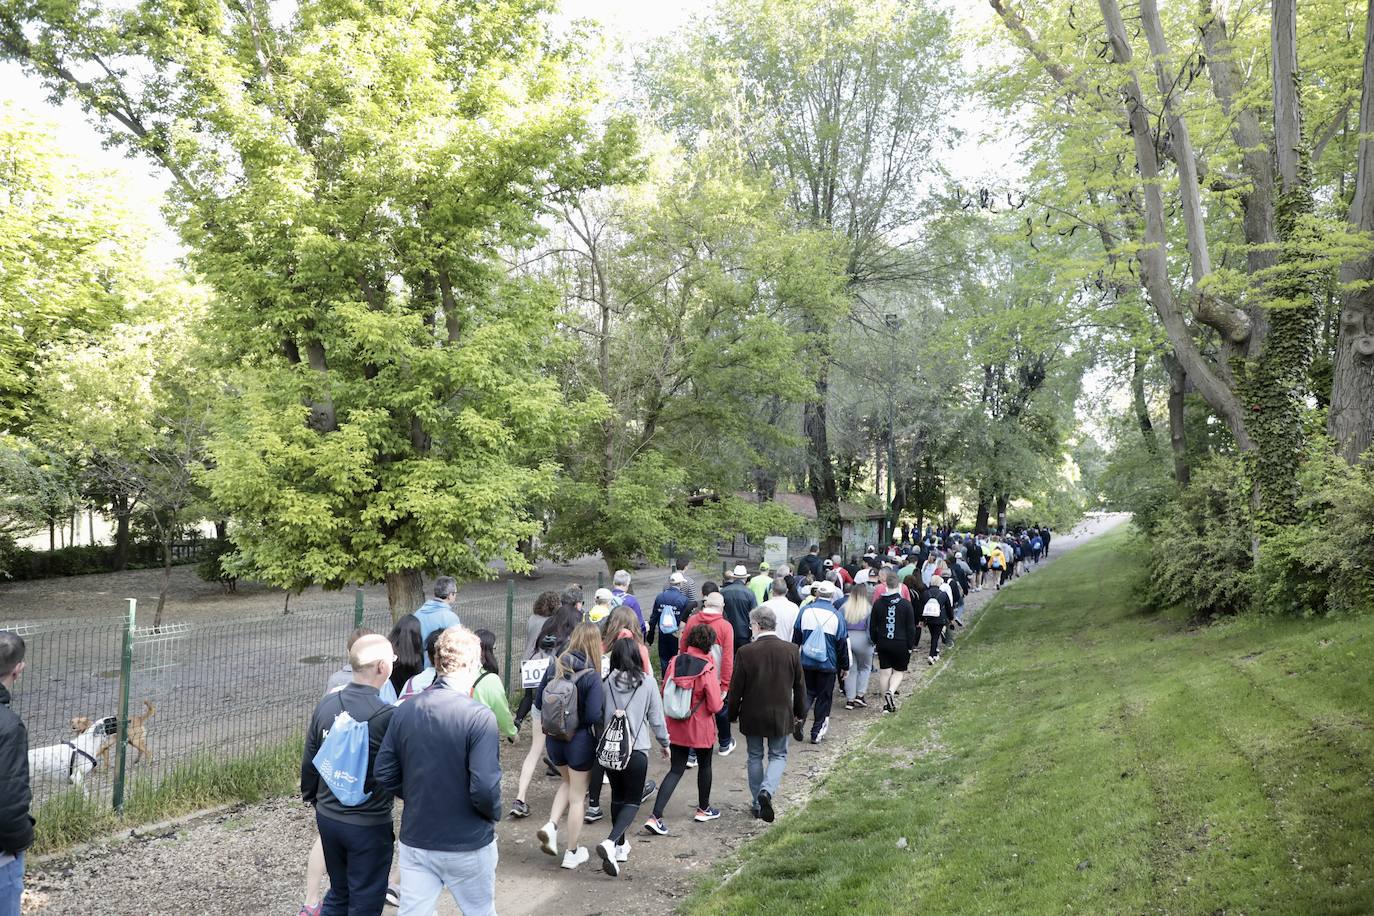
<point x="577" y="754"/>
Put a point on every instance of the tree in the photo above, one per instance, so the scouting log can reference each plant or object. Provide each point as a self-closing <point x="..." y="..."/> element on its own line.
<point x="345" y="182"/>
<point x="843" y="105"/>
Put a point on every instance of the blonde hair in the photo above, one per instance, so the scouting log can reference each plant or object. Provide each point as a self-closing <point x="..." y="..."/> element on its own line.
<point x="856" y="606"/>
<point x="457" y="649"/>
<point x="586" y="638"/>
<point x="622" y="618"/>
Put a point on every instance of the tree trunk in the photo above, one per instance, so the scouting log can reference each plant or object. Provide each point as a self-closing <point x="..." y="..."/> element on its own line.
<point x="820" y="477"/>
<point x="1351" y="419"/>
<point x="980" y="522"/>
<point x="166" y="531"/>
<point x="122" y="511"/>
<point x="90" y="524"/>
<point x="405" y="591"/>
<point x="1178" y="387"/>
<point x="221" y="530"/>
<point x="1001" y="512"/>
<point x="1142" y="408"/>
<point x="52" y="535"/>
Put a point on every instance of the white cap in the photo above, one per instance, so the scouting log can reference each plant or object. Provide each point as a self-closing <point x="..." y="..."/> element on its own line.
<point x="604" y="596"/>
<point x="828" y="589"/>
<point x="677" y="578"/>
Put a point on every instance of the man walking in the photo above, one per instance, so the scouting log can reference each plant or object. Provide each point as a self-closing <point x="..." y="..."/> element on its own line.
<point x="739" y="601"/>
<point x="437" y="613"/>
<point x="441" y="756"/>
<point x="761" y="584"/>
<point x="620" y="592"/>
<point x="358" y="839"/>
<point x="16" y="826"/>
<point x="819" y="670"/>
<point x="767" y="698"/>
<point x="784" y="609"/>
<point x="667" y="617"/>
<point x="810" y="565"/>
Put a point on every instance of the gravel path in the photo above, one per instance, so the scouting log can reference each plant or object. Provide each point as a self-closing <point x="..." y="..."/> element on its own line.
<point x="251" y="860"/>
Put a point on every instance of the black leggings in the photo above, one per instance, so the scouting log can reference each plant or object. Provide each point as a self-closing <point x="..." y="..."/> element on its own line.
<point x="627" y="790"/>
<point x="676" y="768"/>
<point x="935" y="625"/>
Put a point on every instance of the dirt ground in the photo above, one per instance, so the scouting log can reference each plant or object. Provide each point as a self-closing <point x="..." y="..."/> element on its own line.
<point x="251" y="860"/>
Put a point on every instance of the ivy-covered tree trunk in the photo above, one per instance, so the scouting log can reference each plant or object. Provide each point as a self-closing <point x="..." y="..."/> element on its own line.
<point x="1352" y="381"/>
<point x="980" y="521"/>
<point x="820" y="476"/>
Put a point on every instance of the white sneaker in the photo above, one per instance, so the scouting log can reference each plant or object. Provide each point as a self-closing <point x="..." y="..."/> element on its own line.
<point x="825" y="727"/>
<point x="575" y="857"/>
<point x="548" y="838"/>
<point x="622" y="852"/>
<point x="609" y="863"/>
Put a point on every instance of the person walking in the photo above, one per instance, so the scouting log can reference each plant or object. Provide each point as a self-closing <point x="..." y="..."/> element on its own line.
<point x="602" y="603"/>
<point x="620" y="595"/>
<point x="544" y="607"/>
<point x="894" y="631"/>
<point x="767" y="697"/>
<point x="692" y="672"/>
<point x="688" y="584"/>
<point x="632" y="695"/>
<point x="935" y="610"/>
<point x="437" y="613"/>
<point x="409" y="648"/>
<point x="668" y="616"/>
<point x="356" y="835"/>
<point x="821" y="658"/>
<point x="784" y="610"/>
<point x="723" y="655"/>
<point x="442" y="756"/>
<point x="572" y="752"/>
<point x="856" y="613"/>
<point x="762" y="584"/>
<point x="811" y="565"/>
<point x="16" y="793"/>
<point x="620" y="625"/>
<point x="739" y="601"/>
<point x="489" y="690"/>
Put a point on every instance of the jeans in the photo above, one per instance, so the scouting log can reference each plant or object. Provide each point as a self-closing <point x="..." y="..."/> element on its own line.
<point x="820" y="693"/>
<point x="676" y="767"/>
<point x="723" y="726"/>
<point x="358" y="859"/>
<point x="469" y="876"/>
<point x="627" y="791"/>
<point x="861" y="664"/>
<point x="11" y="886"/>
<point x="759" y="777"/>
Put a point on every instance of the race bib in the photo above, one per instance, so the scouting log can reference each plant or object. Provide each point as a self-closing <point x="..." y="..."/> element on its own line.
<point x="532" y="671"/>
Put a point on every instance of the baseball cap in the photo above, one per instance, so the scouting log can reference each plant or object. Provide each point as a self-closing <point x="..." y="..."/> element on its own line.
<point x="764" y="567"/>
<point x="829" y="589"/>
<point x="604" y="596"/>
<point x="677" y="578"/>
<point x="829" y="564"/>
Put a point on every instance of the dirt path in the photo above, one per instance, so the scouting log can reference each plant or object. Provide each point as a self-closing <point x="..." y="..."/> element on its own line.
<point x="251" y="860"/>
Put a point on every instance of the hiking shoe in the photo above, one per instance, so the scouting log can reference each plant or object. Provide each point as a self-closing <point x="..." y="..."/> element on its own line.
<point x="797" y="733"/>
<point x="889" y="704"/>
<point x="592" y="814"/>
<point x="650" y="787"/>
<point x="518" y="808"/>
<point x="622" y="852"/>
<point x="656" y="825"/>
<point x="848" y="704"/>
<point x="575" y="857"/>
<point x="860" y="702"/>
<point x="691" y="760"/>
<point x="548" y="839"/>
<point x="393" y="895"/>
<point x="706" y="814"/>
<point x="606" y="850"/>
<point x="766" y="806"/>
<point x="310" y="909"/>
<point x="725" y="751"/>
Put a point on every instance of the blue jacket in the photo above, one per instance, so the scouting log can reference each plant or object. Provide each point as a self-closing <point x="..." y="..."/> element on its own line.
<point x="822" y="614"/>
<point x="435" y="615"/>
<point x="441" y="756"/>
<point x="671" y="597"/>
<point x="632" y="603"/>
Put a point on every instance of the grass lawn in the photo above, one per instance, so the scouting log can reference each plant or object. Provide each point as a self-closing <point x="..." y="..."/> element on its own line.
<point x="1080" y="756"/>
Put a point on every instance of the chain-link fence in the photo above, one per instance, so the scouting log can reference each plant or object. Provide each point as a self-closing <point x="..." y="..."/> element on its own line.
<point x="187" y="693"/>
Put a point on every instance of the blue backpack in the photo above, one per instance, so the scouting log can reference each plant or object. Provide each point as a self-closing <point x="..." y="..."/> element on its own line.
<point x="667" y="619"/>
<point x="343" y="757"/>
<point x="814" y="646"/>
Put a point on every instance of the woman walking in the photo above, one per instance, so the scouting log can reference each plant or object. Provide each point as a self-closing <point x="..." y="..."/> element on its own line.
<point x="580" y="666"/>
<point x="410" y="658"/>
<point x="621" y="624"/>
<point x="691" y="714"/>
<point x="553" y="637"/>
<point x="489" y="690"/>
<point x="631" y="694"/>
<point x="856" y="614"/>
<point x="893" y="629"/>
<point x="544" y="607"/>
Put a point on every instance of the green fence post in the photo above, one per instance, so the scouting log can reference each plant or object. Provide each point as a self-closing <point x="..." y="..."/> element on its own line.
<point x="600" y="579"/>
<point x="722" y="570"/>
<point x="126" y="667"/>
<point x="512" y="680"/>
<point x="358" y="607"/>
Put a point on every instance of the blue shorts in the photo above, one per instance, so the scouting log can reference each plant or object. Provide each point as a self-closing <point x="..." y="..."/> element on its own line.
<point x="577" y="754"/>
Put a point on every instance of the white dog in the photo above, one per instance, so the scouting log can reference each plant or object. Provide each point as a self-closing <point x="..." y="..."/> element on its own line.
<point x="72" y="759"/>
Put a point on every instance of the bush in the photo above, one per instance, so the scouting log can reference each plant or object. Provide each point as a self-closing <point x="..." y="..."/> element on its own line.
<point x="213" y="569"/>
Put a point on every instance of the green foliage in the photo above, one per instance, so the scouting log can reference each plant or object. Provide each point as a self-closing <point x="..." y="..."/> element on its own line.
<point x="213" y="567"/>
<point x="1201" y="549"/>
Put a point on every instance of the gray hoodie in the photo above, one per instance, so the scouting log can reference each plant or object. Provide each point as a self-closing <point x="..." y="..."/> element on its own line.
<point x="642" y="705"/>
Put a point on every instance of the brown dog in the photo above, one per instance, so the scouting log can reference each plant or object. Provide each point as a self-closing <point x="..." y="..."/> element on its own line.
<point x="137" y="734"/>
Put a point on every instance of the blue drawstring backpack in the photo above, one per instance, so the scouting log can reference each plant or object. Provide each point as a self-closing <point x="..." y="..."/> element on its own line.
<point x="814" y="646"/>
<point x="342" y="759"/>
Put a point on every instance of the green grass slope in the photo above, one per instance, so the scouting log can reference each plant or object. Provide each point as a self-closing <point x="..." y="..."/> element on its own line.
<point x="1079" y="756"/>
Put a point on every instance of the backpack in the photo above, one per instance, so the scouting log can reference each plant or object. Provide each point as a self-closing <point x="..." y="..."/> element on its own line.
<point x="342" y="759"/>
<point x="617" y="743"/>
<point x="668" y="624"/>
<point x="717" y="653"/>
<point x="617" y="600"/>
<point x="931" y="609"/>
<point x="558" y="712"/>
<point x="814" y="647"/>
<point x="677" y="700"/>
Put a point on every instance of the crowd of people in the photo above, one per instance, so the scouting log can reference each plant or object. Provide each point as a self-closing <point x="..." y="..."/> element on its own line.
<point x="419" y="714"/>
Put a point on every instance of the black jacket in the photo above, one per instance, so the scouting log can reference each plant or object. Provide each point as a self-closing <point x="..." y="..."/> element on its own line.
<point x="812" y="566"/>
<point x="16" y="826"/>
<point x="361" y="702"/>
<point x="739" y="601"/>
<point x="892" y="623"/>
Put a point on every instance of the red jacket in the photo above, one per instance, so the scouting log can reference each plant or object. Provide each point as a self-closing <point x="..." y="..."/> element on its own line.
<point x="725" y="638"/>
<point x="699" y="730"/>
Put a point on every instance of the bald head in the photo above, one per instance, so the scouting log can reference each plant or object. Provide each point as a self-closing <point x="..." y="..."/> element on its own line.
<point x="371" y="658"/>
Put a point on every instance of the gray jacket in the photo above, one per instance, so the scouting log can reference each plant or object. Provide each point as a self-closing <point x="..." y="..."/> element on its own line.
<point x="643" y="708"/>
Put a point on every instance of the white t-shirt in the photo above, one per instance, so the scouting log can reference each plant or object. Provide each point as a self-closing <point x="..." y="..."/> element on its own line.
<point x="786" y="613"/>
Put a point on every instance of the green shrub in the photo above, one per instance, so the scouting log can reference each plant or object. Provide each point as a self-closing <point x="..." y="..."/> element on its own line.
<point x="213" y="568"/>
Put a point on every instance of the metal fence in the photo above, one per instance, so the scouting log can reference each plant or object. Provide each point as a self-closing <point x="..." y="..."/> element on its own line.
<point x="191" y="691"/>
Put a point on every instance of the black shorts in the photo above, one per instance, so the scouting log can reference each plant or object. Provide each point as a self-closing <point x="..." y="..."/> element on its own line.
<point x="896" y="658"/>
<point x="578" y="754"/>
